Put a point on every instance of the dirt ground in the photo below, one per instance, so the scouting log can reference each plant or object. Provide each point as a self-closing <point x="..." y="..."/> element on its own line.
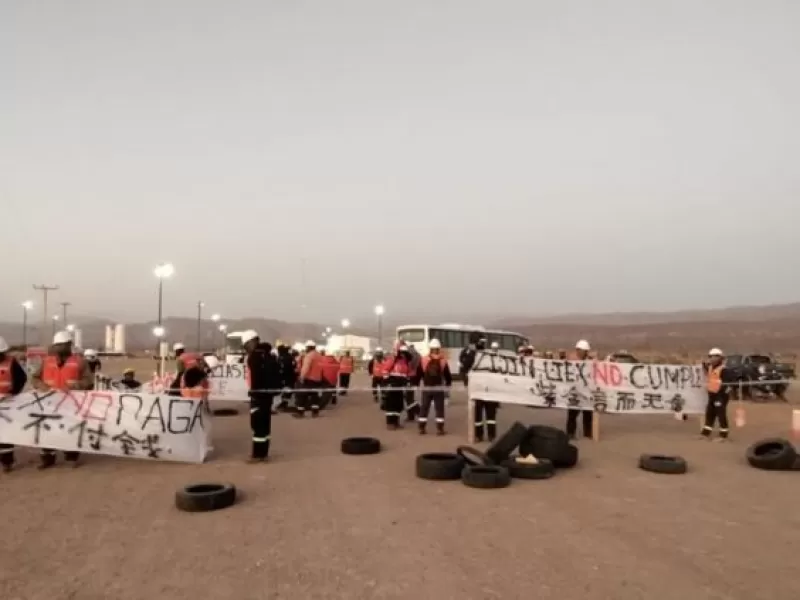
<point x="314" y="523"/>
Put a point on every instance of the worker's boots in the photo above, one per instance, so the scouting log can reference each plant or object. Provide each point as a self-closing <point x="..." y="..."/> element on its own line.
<point x="491" y="432"/>
<point x="440" y="429"/>
<point x="422" y="428"/>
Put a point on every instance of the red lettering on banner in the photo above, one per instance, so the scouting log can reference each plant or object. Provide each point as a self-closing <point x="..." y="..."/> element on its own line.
<point x="94" y="397"/>
<point x="606" y="374"/>
<point x="68" y="395"/>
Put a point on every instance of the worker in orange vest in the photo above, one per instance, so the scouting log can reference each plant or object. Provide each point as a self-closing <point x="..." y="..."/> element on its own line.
<point x="397" y="378"/>
<point x="12" y="381"/>
<point x="434" y="372"/>
<point x="62" y="370"/>
<point x="719" y="381"/>
<point x="310" y="382"/>
<point x="194" y="383"/>
<point x="330" y="378"/>
<point x="582" y="350"/>
<point x="375" y="369"/>
<point x="346" y="366"/>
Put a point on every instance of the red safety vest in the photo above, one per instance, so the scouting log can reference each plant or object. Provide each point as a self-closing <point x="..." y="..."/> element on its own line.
<point x="714" y="379"/>
<point x="191" y="359"/>
<point x="199" y="392"/>
<point x="378" y="367"/>
<point x="62" y="377"/>
<point x="314" y="372"/>
<point x="398" y="367"/>
<point x="6" y="380"/>
<point x="426" y="360"/>
<point x="330" y="370"/>
<point x="346" y="365"/>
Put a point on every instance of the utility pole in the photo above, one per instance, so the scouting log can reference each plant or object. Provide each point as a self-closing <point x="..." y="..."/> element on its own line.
<point x="64" y="306"/>
<point x="45" y="289"/>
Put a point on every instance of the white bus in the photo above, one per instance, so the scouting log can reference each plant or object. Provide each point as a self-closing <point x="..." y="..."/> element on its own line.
<point x="454" y="337"/>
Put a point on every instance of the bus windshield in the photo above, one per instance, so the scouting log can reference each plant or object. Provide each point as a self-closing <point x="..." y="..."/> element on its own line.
<point x="412" y="335"/>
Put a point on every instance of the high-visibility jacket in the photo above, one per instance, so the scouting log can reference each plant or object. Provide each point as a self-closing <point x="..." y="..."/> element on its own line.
<point x="62" y="377"/>
<point x="714" y="379"/>
<point x="330" y="370"/>
<point x="6" y="378"/>
<point x="426" y="360"/>
<point x="346" y="365"/>
<point x="312" y="366"/>
<point x="396" y="366"/>
<point x="198" y="392"/>
<point x="378" y="367"/>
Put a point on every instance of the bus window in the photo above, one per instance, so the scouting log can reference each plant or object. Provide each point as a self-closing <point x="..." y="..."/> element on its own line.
<point x="412" y="335"/>
<point x="510" y="342"/>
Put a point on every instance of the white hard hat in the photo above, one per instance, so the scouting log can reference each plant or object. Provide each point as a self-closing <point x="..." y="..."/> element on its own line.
<point x="90" y="352"/>
<point x="378" y="349"/>
<point x="715" y="352"/>
<point x="435" y="344"/>
<point x="178" y="346"/>
<point x="3" y="345"/>
<point x="495" y="345"/>
<point x="402" y="348"/>
<point x="62" y="337"/>
<point x="248" y="335"/>
<point x="583" y="345"/>
<point x="311" y="344"/>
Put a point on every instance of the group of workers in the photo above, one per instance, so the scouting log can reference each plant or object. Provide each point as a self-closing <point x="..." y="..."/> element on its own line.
<point x="316" y="379"/>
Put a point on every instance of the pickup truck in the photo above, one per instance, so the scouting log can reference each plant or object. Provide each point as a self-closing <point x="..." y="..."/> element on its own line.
<point x="760" y="367"/>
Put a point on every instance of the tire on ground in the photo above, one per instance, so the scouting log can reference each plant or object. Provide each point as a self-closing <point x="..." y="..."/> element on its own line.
<point x="205" y="497"/>
<point x="772" y="454"/>
<point x="361" y="445"/>
<point x="485" y="476"/>
<point x="659" y="463"/>
<point x="568" y="459"/>
<point x="472" y="456"/>
<point x="440" y="466"/>
<point x="502" y="448"/>
<point x="543" y="441"/>
<point x="224" y="412"/>
<point x="543" y="469"/>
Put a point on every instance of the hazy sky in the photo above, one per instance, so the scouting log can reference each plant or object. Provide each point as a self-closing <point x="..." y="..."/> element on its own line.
<point x="495" y="156"/>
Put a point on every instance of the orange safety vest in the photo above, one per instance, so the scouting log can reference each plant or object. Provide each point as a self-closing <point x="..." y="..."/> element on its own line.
<point x="199" y="392"/>
<point x="330" y="370"/>
<point x="64" y="377"/>
<point x="377" y="367"/>
<point x="426" y="360"/>
<point x="714" y="379"/>
<point x="346" y="365"/>
<point x="397" y="366"/>
<point x="6" y="380"/>
<point x="314" y="372"/>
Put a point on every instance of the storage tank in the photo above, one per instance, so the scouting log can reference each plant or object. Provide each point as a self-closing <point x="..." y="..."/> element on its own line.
<point x="119" y="339"/>
<point x="109" y="346"/>
<point x="77" y="338"/>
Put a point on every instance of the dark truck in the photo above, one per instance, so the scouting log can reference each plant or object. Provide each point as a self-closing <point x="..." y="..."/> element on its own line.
<point x="753" y="368"/>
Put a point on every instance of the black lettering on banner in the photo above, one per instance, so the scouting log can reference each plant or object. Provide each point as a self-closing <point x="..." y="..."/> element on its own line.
<point x="37" y="400"/>
<point x="150" y="445"/>
<point x="201" y="409"/>
<point x="95" y="436"/>
<point x="672" y="378"/>
<point x="687" y="377"/>
<point x="172" y="417"/>
<point x="637" y="378"/>
<point x="676" y="403"/>
<point x="652" y="400"/>
<point x="5" y="417"/>
<point x="92" y="397"/>
<point x="39" y="423"/>
<point x="155" y="406"/>
<point x="655" y="376"/>
<point x="625" y="401"/>
<point x="580" y="367"/>
<point x="127" y="442"/>
<point x="122" y="408"/>
<point x="600" y="400"/>
<point x="573" y="396"/>
<point x="553" y="369"/>
<point x="234" y="371"/>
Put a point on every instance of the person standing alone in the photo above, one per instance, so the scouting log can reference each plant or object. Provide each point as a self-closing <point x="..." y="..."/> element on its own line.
<point x="582" y="350"/>
<point x="718" y="383"/>
<point x="346" y="366"/>
<point x="263" y="381"/>
<point x="434" y="372"/>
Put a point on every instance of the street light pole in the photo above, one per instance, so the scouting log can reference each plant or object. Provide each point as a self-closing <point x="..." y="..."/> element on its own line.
<point x="64" y="306"/>
<point x="26" y="306"/>
<point x="55" y="322"/>
<point x="200" y="305"/>
<point x="379" y="310"/>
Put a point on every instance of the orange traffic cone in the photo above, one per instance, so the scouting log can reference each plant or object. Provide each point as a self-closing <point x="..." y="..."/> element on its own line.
<point x="796" y="424"/>
<point x="740" y="417"/>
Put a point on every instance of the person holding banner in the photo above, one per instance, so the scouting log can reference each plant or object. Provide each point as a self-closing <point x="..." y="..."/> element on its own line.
<point x="13" y="378"/>
<point x="719" y="382"/>
<point x="62" y="370"/>
<point x="582" y="349"/>
<point x="263" y="379"/>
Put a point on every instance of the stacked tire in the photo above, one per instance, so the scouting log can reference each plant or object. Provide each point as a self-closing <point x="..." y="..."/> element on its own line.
<point x="549" y="443"/>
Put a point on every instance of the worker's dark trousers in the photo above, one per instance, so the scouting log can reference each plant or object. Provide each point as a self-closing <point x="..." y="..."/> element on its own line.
<point x="716" y="410"/>
<point x="286" y="394"/>
<point x="7" y="455"/>
<point x="376" y="388"/>
<point x="344" y="383"/>
<point x="328" y="396"/>
<point x="437" y="399"/>
<point x="485" y="414"/>
<point x="572" y="422"/>
<point x="411" y="404"/>
<point x="261" y="423"/>
<point x="393" y="396"/>
<point x="309" y="400"/>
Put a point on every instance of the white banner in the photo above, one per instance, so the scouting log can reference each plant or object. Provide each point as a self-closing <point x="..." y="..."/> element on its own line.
<point x="227" y="383"/>
<point x="118" y="424"/>
<point x="589" y="385"/>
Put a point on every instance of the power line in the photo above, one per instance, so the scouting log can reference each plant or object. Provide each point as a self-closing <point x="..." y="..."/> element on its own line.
<point x="45" y="289"/>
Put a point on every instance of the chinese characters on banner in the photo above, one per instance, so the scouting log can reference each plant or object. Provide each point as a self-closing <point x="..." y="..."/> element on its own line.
<point x="227" y="383"/>
<point x="118" y="424"/>
<point x="589" y="385"/>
